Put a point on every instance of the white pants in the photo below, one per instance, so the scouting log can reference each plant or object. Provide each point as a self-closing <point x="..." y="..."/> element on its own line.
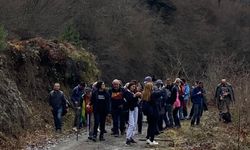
<point x="132" y="123"/>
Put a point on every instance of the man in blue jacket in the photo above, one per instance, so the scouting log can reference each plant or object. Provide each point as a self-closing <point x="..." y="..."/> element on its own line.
<point x="58" y="103"/>
<point x="77" y="99"/>
<point x="197" y="100"/>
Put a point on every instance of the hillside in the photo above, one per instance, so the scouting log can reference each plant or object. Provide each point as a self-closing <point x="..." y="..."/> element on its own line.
<point x="137" y="34"/>
<point x="28" y="70"/>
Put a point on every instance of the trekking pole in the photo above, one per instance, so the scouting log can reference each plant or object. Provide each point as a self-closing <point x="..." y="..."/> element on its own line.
<point x="78" y="115"/>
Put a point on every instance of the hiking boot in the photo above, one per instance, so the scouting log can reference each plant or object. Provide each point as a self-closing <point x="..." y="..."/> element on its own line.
<point x="94" y="139"/>
<point x="101" y="138"/>
<point x="132" y="141"/>
<point x="128" y="142"/>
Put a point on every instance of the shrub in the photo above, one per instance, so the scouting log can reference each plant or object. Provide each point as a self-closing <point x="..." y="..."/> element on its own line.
<point x="71" y="35"/>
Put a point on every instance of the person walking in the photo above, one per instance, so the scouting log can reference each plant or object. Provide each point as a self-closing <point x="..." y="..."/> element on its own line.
<point x="100" y="102"/>
<point x="117" y="107"/>
<point x="77" y="99"/>
<point x="89" y="112"/>
<point x="58" y="103"/>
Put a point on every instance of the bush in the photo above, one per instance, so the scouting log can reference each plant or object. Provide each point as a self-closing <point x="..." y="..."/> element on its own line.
<point x="71" y="35"/>
<point x="3" y="35"/>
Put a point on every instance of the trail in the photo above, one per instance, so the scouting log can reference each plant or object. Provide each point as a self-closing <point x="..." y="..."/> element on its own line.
<point x="211" y="134"/>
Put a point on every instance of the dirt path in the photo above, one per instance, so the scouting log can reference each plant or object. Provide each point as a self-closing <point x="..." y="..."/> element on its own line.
<point x="210" y="135"/>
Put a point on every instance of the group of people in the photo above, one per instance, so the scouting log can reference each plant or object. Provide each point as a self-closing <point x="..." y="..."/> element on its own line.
<point x="163" y="103"/>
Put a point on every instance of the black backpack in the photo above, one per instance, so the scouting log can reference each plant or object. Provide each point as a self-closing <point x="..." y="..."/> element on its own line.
<point x="226" y="117"/>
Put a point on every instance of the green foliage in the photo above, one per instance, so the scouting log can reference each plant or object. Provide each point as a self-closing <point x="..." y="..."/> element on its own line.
<point x="71" y="35"/>
<point x="3" y="35"/>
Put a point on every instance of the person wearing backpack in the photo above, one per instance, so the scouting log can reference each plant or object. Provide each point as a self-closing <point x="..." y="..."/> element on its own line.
<point x="58" y="103"/>
<point x="224" y="96"/>
<point x="168" y="117"/>
<point x="100" y="102"/>
<point x="160" y="102"/>
<point x="77" y="100"/>
<point x="150" y="110"/>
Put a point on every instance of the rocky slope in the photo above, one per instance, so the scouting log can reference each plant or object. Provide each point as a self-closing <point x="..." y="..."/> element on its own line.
<point x="28" y="70"/>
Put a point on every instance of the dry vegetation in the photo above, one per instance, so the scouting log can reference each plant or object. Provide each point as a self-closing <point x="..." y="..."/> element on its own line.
<point x="194" y="39"/>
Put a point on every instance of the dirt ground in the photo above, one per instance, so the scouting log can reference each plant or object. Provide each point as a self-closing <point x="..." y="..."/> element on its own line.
<point x="210" y="135"/>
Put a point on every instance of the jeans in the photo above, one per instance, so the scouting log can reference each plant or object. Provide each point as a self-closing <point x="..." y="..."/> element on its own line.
<point x="57" y="114"/>
<point x="100" y="119"/>
<point x="197" y="114"/>
<point x="168" y="118"/>
<point x="176" y="117"/>
<point x="78" y="114"/>
<point x="90" y="124"/>
<point x="118" y="116"/>
<point x="132" y="123"/>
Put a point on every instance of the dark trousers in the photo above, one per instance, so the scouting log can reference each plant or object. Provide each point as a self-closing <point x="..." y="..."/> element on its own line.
<point x="192" y="111"/>
<point x="140" y="118"/>
<point x="100" y="119"/>
<point x="176" y="117"/>
<point x="168" y="117"/>
<point x="160" y="122"/>
<point x="57" y="114"/>
<point x="152" y="125"/>
<point x="197" y="114"/>
<point x="78" y="119"/>
<point x="118" y="116"/>
<point x="184" y="109"/>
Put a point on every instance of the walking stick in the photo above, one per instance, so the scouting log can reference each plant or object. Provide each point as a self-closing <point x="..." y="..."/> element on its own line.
<point x="78" y="115"/>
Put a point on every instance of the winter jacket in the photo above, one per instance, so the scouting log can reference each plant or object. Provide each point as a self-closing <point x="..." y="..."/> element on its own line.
<point x="117" y="98"/>
<point x="174" y="91"/>
<point x="77" y="94"/>
<point x="57" y="100"/>
<point x="100" y="101"/>
<point x="186" y="92"/>
<point x="159" y="96"/>
<point x="197" y="98"/>
<point x="132" y="101"/>
<point x="224" y="88"/>
<point x="167" y="94"/>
